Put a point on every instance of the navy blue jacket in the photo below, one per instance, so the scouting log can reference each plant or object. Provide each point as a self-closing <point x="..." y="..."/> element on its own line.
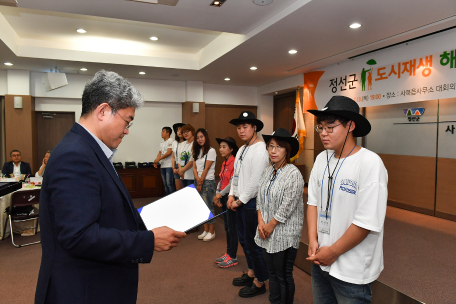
<point x="92" y="237"/>
<point x="8" y="168"/>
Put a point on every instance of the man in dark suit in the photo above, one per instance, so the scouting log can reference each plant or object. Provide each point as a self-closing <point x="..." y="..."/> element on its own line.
<point x="16" y="166"/>
<point x="91" y="234"/>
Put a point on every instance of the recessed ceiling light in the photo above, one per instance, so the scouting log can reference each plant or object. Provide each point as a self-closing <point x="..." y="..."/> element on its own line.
<point x="142" y="73"/>
<point x="154" y="38"/>
<point x="83" y="69"/>
<point x="276" y="93"/>
<point x="8" y="63"/>
<point x="355" y="25"/>
<point x="227" y="79"/>
<point x="292" y="51"/>
<point x="253" y="68"/>
<point x="217" y="3"/>
<point x="81" y="31"/>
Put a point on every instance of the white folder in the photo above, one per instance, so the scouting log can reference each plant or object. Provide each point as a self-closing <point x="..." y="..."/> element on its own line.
<point x="181" y="211"/>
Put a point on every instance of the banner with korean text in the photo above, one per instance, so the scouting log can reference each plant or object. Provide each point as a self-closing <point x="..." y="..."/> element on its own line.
<point x="419" y="70"/>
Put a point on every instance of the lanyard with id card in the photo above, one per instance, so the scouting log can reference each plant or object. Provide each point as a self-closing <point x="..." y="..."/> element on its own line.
<point x="237" y="169"/>
<point x="235" y="180"/>
<point x="324" y="217"/>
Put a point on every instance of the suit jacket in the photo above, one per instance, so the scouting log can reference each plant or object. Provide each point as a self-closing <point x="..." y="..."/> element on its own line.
<point x="8" y="168"/>
<point x="92" y="236"/>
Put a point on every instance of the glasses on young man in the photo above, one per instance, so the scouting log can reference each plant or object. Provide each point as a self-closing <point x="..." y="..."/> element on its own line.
<point x="277" y="148"/>
<point x="328" y="129"/>
<point x="129" y="124"/>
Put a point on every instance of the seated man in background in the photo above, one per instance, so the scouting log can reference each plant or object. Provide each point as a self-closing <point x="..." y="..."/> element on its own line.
<point x="40" y="172"/>
<point x="16" y="167"/>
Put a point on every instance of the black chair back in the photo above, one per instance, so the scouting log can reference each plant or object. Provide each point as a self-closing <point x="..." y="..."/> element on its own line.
<point x="25" y="198"/>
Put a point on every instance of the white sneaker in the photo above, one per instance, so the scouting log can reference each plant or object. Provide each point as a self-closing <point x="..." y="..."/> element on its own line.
<point x="209" y="237"/>
<point x="202" y="235"/>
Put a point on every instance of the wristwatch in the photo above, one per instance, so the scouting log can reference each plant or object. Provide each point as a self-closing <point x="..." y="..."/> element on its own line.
<point x="238" y="202"/>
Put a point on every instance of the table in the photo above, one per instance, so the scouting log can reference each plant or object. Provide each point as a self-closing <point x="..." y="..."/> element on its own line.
<point x="5" y="202"/>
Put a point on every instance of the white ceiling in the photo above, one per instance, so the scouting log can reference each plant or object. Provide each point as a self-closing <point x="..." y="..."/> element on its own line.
<point x="206" y="48"/>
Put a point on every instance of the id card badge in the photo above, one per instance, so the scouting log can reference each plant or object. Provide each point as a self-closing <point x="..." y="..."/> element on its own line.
<point x="324" y="223"/>
<point x="235" y="180"/>
<point x="182" y="162"/>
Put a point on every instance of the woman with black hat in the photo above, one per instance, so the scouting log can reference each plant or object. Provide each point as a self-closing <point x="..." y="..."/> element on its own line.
<point x="228" y="150"/>
<point x="280" y="214"/>
<point x="179" y="138"/>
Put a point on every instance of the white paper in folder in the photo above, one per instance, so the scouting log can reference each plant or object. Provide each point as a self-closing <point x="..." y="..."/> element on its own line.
<point x="180" y="210"/>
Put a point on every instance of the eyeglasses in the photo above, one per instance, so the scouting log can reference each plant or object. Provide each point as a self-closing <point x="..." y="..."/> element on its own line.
<point x="277" y="148"/>
<point x="129" y="124"/>
<point x="328" y="129"/>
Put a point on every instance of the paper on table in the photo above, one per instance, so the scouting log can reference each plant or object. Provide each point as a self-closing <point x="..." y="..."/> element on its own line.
<point x="180" y="210"/>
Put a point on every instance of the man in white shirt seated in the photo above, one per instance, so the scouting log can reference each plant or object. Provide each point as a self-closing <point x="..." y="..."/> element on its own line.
<point x="40" y="172"/>
<point x="16" y="167"/>
<point x="164" y="158"/>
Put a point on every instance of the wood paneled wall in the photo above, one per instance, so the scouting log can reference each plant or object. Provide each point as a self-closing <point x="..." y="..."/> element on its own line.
<point x="20" y="130"/>
<point x="411" y="182"/>
<point x="446" y="189"/>
<point x="217" y="125"/>
<point x="284" y="107"/>
<point x="197" y="120"/>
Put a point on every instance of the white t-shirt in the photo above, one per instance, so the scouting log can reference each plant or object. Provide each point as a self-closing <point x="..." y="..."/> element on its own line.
<point x="184" y="151"/>
<point x="211" y="156"/>
<point x="164" y="146"/>
<point x="359" y="197"/>
<point x="174" y="148"/>
<point x="255" y="160"/>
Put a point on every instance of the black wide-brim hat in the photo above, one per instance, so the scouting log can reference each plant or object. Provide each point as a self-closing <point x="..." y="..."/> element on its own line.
<point x="177" y="125"/>
<point x="248" y="117"/>
<point x="348" y="108"/>
<point x="231" y="142"/>
<point x="284" y="135"/>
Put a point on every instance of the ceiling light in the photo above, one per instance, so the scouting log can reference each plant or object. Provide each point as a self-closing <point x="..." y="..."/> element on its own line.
<point x="83" y="69"/>
<point x="262" y="2"/>
<point x="154" y="38"/>
<point x="292" y="51"/>
<point x="217" y="3"/>
<point x="142" y="73"/>
<point x="253" y="68"/>
<point x="227" y="79"/>
<point x="8" y="63"/>
<point x="355" y="25"/>
<point x="81" y="31"/>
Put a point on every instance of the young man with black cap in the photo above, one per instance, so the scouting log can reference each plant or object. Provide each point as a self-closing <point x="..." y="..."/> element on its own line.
<point x="346" y="207"/>
<point x="251" y="160"/>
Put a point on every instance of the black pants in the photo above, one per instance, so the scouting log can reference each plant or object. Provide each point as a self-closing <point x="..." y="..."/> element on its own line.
<point x="229" y="219"/>
<point x="281" y="282"/>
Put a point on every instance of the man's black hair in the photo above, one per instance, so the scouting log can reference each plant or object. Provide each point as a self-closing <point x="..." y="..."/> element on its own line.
<point x="168" y="130"/>
<point x="331" y="118"/>
<point x="11" y="153"/>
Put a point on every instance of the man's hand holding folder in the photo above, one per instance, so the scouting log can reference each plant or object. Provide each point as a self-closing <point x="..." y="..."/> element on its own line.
<point x="166" y="238"/>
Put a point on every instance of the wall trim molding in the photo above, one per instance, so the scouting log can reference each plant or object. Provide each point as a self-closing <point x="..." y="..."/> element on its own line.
<point x="410" y="207"/>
